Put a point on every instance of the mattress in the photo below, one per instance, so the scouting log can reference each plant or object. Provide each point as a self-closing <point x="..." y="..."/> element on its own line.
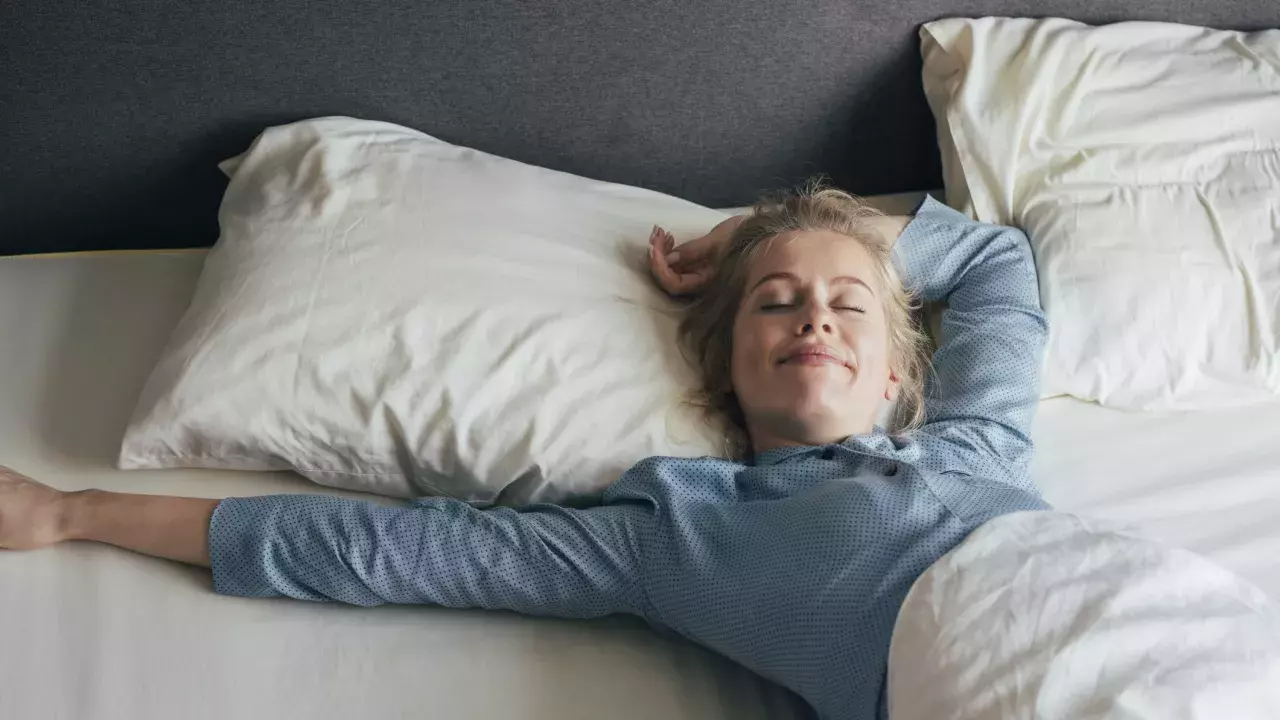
<point x="92" y="632"/>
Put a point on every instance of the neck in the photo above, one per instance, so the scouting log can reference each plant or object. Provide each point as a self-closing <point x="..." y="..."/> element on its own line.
<point x="773" y="436"/>
<point x="762" y="440"/>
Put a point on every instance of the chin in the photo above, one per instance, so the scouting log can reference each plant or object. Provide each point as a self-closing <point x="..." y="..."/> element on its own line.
<point x="830" y="412"/>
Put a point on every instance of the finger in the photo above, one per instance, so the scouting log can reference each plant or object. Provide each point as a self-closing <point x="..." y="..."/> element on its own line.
<point x="680" y="263"/>
<point x="655" y="248"/>
<point x="698" y="250"/>
<point x="660" y="244"/>
<point x="682" y="278"/>
<point x="685" y="283"/>
<point x="667" y="278"/>
<point x="691" y="282"/>
<point x="677" y="256"/>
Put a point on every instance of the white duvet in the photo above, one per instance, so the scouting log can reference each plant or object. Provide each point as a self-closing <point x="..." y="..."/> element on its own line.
<point x="1047" y="615"/>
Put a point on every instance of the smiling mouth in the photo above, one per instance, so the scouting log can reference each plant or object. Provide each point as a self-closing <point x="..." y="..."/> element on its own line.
<point x="812" y="357"/>
<point x="811" y="360"/>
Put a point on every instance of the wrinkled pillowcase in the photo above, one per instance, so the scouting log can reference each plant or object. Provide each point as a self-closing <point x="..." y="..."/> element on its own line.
<point x="1143" y="161"/>
<point x="391" y="313"/>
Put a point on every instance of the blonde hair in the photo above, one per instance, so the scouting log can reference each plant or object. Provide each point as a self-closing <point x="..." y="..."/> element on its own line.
<point x="706" y="332"/>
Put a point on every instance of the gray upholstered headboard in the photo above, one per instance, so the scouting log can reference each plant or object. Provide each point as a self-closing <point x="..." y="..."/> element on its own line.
<point x="113" y="114"/>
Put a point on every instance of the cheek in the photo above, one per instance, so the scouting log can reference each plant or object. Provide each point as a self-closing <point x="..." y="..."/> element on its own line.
<point x="875" y="342"/>
<point x="752" y="339"/>
<point x="870" y="341"/>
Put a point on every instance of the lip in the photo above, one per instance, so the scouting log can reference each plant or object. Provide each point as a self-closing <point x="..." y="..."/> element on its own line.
<point x="812" y="355"/>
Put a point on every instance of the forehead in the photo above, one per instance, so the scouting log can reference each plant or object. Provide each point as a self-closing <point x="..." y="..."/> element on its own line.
<point x="813" y="255"/>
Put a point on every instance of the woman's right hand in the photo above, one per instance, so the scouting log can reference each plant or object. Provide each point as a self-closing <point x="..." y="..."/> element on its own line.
<point x="31" y="513"/>
<point x="686" y="270"/>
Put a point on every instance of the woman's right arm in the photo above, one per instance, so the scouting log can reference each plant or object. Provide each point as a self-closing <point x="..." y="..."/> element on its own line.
<point x="539" y="560"/>
<point x="34" y="515"/>
<point x="542" y="560"/>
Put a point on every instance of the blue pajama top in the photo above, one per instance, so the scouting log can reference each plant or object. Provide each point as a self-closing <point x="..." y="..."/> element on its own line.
<point x="794" y="564"/>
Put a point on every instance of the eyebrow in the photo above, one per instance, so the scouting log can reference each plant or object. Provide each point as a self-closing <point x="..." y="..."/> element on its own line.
<point x="846" y="279"/>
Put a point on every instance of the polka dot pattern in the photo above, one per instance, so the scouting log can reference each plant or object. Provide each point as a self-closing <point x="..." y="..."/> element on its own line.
<point x="794" y="564"/>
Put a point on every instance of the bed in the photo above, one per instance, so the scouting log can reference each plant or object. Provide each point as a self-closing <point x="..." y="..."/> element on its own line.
<point x="96" y="632"/>
<point x="115" y="118"/>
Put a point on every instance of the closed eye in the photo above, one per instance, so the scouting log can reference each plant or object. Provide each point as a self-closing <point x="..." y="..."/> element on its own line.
<point x="777" y="306"/>
<point x="849" y="308"/>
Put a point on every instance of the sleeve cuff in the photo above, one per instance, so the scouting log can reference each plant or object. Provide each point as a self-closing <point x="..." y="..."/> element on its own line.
<point x="236" y="548"/>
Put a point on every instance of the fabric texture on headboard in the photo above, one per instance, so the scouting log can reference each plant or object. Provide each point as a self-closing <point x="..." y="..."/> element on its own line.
<point x="114" y="114"/>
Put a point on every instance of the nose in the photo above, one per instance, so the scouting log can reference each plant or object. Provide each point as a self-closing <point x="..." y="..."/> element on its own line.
<point x="815" y="317"/>
<point x="819" y="320"/>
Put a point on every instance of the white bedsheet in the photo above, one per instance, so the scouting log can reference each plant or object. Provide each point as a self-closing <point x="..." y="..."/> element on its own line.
<point x="90" y="632"/>
<point x="1206" y="481"/>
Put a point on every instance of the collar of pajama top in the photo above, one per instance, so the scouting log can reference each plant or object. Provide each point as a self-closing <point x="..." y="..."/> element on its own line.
<point x="794" y="564"/>
<point x="877" y="444"/>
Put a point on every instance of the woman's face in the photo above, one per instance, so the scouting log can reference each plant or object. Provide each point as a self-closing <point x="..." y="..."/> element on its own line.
<point x="810" y="361"/>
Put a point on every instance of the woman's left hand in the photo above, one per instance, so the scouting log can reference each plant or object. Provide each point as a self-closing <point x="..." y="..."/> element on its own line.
<point x="31" y="514"/>
<point x="686" y="270"/>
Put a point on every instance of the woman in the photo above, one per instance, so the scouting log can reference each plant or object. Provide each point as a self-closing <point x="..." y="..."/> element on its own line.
<point x="794" y="560"/>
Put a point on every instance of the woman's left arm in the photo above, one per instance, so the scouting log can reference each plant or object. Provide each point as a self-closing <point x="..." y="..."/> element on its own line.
<point x="985" y="382"/>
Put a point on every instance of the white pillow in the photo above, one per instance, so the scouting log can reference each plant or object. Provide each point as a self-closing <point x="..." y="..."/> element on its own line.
<point x="1143" y="160"/>
<point x="391" y="313"/>
<point x="1048" y="615"/>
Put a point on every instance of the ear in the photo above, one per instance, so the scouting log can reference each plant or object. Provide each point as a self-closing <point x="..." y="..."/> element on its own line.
<point x="894" y="384"/>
